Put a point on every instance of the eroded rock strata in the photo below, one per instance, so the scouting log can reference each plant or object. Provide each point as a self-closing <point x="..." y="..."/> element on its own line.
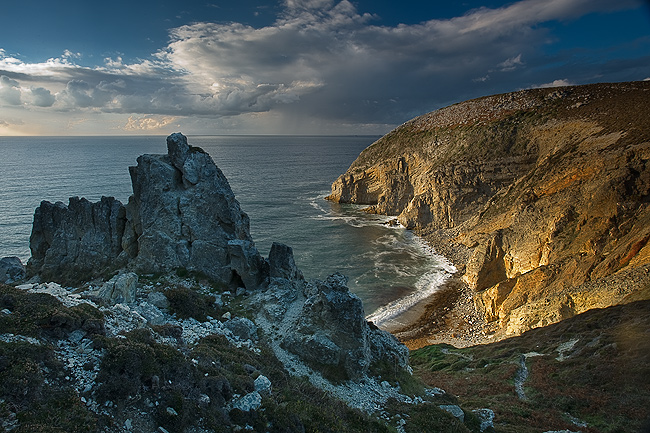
<point x="540" y="197"/>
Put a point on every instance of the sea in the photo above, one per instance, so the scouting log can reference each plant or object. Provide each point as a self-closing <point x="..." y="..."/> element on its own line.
<point x="281" y="183"/>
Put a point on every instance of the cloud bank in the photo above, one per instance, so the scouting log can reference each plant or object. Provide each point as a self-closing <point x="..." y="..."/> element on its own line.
<point x="320" y="61"/>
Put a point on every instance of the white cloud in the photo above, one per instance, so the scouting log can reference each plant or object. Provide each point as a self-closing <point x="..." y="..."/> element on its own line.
<point x="40" y="97"/>
<point x="9" y="91"/>
<point x="510" y="64"/>
<point x="319" y="59"/>
<point x="555" y="83"/>
<point x="148" y="123"/>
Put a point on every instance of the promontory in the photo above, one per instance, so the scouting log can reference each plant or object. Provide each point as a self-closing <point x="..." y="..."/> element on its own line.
<point x="540" y="198"/>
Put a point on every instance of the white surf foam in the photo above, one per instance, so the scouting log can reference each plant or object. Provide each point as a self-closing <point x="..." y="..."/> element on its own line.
<point x="426" y="286"/>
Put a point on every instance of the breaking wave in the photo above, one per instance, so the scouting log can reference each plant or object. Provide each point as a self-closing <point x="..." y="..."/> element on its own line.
<point x="426" y="286"/>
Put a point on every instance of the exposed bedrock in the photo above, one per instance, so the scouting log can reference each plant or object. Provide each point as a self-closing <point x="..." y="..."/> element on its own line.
<point x="182" y="214"/>
<point x="543" y="193"/>
<point x="324" y="325"/>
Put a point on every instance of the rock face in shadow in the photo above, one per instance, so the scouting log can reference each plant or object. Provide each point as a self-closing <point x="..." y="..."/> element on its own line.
<point x="182" y="214"/>
<point x="81" y="239"/>
<point x="11" y="270"/>
<point x="541" y="197"/>
<point x="322" y="325"/>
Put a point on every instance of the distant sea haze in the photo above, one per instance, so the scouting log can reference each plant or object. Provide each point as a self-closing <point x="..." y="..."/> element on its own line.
<point x="280" y="182"/>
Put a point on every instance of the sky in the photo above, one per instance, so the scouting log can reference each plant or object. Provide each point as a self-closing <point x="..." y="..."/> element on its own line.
<point x="76" y="67"/>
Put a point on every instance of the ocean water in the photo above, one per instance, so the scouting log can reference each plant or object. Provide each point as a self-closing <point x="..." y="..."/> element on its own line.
<point x="280" y="181"/>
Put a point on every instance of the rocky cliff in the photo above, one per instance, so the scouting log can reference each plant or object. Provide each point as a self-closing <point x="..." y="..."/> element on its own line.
<point x="540" y="197"/>
<point x="182" y="215"/>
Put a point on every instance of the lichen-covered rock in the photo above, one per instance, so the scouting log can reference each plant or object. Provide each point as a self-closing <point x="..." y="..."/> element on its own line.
<point x="184" y="215"/>
<point x="11" y="270"/>
<point x="263" y="385"/>
<point x="242" y="328"/>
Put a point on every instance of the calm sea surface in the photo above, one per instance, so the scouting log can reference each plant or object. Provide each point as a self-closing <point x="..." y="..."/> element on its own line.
<point x="280" y="181"/>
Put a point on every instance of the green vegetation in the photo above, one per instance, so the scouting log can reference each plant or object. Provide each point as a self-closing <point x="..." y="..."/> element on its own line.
<point x="39" y="314"/>
<point x="186" y="303"/>
<point x="35" y="394"/>
<point x="603" y="381"/>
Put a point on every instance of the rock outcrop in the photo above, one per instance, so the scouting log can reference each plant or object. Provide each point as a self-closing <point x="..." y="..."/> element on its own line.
<point x="182" y="214"/>
<point x="541" y="197"/>
<point x="331" y="330"/>
<point x="81" y="239"/>
<point x="322" y="324"/>
<point x="11" y="270"/>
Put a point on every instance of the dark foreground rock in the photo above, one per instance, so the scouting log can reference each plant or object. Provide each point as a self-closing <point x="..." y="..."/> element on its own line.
<point x="11" y="270"/>
<point x="331" y="330"/>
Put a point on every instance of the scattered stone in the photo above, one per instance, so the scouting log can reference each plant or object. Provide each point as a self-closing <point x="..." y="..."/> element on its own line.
<point x="171" y="411"/>
<point x="151" y="313"/>
<point x="263" y="385"/>
<point x="11" y="270"/>
<point x="434" y="392"/>
<point x="158" y="299"/>
<point x="565" y="347"/>
<point x="120" y="289"/>
<point x="486" y="416"/>
<point x="204" y="400"/>
<point x="249" y="402"/>
<point x="561" y="431"/>
<point x="455" y="410"/>
<point x="243" y="328"/>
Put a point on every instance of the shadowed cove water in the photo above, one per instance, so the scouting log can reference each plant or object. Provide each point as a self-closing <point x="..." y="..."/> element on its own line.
<point x="280" y="181"/>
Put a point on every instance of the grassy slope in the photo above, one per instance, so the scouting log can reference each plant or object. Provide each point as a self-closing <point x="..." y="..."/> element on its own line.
<point x="603" y="378"/>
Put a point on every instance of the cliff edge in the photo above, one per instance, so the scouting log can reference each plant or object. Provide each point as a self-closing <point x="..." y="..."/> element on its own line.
<point x="540" y="197"/>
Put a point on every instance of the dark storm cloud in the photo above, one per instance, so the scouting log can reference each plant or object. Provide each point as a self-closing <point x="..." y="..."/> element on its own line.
<point x="323" y="59"/>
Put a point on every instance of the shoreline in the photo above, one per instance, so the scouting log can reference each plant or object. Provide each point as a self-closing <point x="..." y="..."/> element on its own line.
<point x="448" y="315"/>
